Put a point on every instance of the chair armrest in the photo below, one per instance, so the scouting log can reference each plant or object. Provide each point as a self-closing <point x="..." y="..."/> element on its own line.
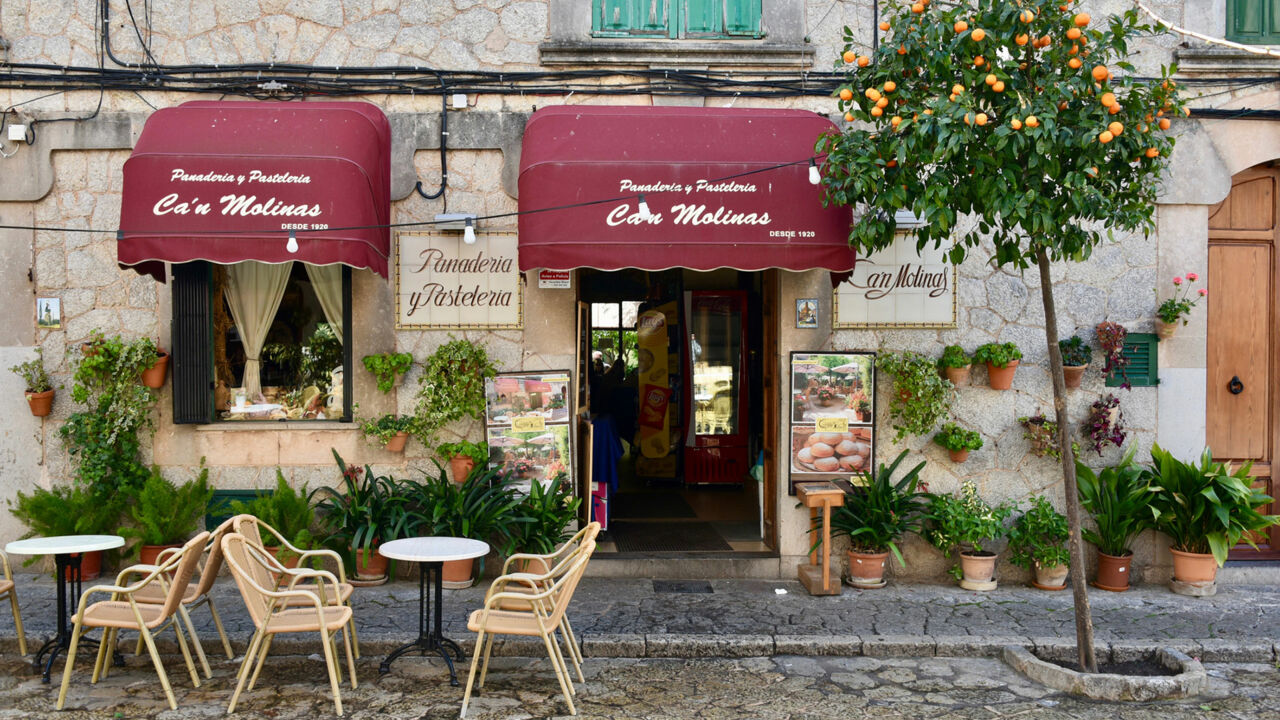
<point x="546" y="566"/>
<point x="139" y="569"/>
<point x="323" y="552"/>
<point x="320" y="575"/>
<point x="497" y="598"/>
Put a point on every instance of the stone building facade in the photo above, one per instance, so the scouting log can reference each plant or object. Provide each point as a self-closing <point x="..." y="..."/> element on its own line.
<point x="70" y="179"/>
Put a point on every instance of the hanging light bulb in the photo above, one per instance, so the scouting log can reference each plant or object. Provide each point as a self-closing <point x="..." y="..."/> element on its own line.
<point x="643" y="209"/>
<point x="469" y="233"/>
<point x="814" y="176"/>
<point x="292" y="247"/>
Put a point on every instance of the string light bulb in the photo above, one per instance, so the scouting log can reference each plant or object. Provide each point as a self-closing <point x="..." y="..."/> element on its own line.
<point x="469" y="233"/>
<point x="292" y="246"/>
<point x="643" y="209"/>
<point x="814" y="176"/>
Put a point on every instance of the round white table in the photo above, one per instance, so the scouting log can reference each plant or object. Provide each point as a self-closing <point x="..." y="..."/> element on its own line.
<point x="431" y="553"/>
<point x="66" y="551"/>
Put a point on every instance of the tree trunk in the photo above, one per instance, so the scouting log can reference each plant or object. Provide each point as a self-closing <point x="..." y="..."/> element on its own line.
<point x="1080" y="594"/>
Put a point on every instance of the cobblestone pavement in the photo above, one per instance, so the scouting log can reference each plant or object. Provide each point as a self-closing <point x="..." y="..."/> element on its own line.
<point x="784" y="686"/>
<point x="624" y="617"/>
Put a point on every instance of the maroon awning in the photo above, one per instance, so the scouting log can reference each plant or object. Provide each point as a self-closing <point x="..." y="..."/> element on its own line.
<point x="229" y="181"/>
<point x="711" y="177"/>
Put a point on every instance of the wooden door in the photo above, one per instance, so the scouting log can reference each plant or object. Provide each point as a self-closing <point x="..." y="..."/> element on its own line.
<point x="582" y="411"/>
<point x="1241" y="409"/>
<point x="769" y="379"/>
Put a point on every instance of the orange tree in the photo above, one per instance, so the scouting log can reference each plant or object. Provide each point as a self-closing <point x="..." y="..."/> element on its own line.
<point x="1021" y="115"/>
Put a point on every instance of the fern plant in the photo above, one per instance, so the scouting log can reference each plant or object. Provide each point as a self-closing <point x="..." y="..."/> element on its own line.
<point x="287" y="510"/>
<point x="165" y="514"/>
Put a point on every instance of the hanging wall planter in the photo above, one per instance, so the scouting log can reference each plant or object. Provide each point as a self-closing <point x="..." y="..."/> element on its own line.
<point x="41" y="403"/>
<point x="1002" y="362"/>
<point x="153" y="377"/>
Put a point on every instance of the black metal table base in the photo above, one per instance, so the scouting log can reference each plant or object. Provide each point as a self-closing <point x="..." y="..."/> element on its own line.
<point x="68" y="573"/>
<point x="429" y="640"/>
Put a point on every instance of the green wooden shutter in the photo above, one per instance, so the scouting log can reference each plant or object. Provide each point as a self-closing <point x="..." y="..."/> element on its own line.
<point x="192" y="343"/>
<point x="742" y="18"/>
<point x="1143" y="369"/>
<point x="720" y="18"/>
<point x="1254" y="21"/>
<point x="624" y="18"/>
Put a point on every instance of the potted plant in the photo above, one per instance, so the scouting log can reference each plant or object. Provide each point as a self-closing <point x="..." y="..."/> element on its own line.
<point x="539" y="520"/>
<point x="153" y="375"/>
<point x="388" y="368"/>
<point x="1038" y="541"/>
<point x="967" y="523"/>
<point x="1075" y="358"/>
<point x="287" y="510"/>
<point x="1105" y="423"/>
<point x="958" y="441"/>
<point x="163" y="515"/>
<point x="1119" y="499"/>
<point x="875" y="516"/>
<point x="463" y="456"/>
<point x="864" y="410"/>
<point x="1002" y="362"/>
<point x="451" y="387"/>
<point x="1177" y="307"/>
<point x="1205" y="510"/>
<point x="393" y="432"/>
<point x="478" y="508"/>
<point x="39" y="388"/>
<point x="368" y="511"/>
<point x="1043" y="435"/>
<point x="921" y="396"/>
<point x="955" y="364"/>
<point x="68" y="510"/>
<point x="1111" y="337"/>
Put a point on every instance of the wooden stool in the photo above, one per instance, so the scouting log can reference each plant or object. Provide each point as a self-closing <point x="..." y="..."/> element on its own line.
<point x="825" y="495"/>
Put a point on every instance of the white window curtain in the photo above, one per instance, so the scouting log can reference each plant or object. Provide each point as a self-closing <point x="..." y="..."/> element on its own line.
<point x="326" y="280"/>
<point x="254" y="291"/>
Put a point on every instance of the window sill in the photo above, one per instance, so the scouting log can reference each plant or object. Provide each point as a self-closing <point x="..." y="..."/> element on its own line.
<point x="1213" y="60"/>
<point x="269" y="425"/>
<point x="676" y="53"/>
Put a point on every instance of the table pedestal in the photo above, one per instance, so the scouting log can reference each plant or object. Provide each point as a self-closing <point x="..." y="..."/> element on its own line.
<point x="430" y="639"/>
<point x="68" y="574"/>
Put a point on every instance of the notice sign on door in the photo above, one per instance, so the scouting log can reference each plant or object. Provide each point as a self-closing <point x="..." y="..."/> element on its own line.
<point x="442" y="282"/>
<point x="898" y="287"/>
<point x="553" y="280"/>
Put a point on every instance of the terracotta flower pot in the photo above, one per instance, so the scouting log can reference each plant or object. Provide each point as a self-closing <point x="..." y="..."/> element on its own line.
<point x="1051" y="577"/>
<point x="457" y="573"/>
<point x="1194" y="567"/>
<point x="41" y="403"/>
<point x="867" y="569"/>
<point x="1001" y="378"/>
<point x="397" y="442"/>
<point x="370" y="564"/>
<point x="958" y="456"/>
<point x="148" y="554"/>
<point x="1073" y="374"/>
<point x="90" y="565"/>
<point x="958" y="376"/>
<point x="1113" y="572"/>
<point x="1165" y="330"/>
<point x="460" y="467"/>
<point x="153" y="377"/>
<point x="978" y="567"/>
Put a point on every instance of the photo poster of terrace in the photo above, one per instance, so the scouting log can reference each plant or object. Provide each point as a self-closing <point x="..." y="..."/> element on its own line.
<point x="832" y="414"/>
<point x="527" y="426"/>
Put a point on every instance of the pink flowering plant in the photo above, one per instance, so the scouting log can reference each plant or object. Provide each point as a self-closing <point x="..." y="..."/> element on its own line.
<point x="1179" y="306"/>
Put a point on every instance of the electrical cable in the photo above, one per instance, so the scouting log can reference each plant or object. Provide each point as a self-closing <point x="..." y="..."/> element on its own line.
<point x="444" y="143"/>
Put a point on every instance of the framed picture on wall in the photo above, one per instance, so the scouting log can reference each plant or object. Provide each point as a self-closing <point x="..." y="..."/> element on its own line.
<point x="832" y="413"/>
<point x="806" y="313"/>
<point x="48" y="313"/>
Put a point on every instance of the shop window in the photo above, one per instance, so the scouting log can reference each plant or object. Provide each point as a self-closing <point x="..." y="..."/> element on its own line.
<point x="676" y="18"/>
<point x="1253" y="21"/>
<point x="259" y="341"/>
<point x="613" y="330"/>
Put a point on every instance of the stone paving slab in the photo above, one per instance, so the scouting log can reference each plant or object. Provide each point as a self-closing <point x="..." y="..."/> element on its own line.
<point x="627" y="617"/>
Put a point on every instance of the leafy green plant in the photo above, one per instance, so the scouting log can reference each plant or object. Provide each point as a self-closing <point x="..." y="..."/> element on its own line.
<point x="386" y="366"/>
<point x="1206" y="508"/>
<point x="65" y="510"/>
<point x="1119" y="498"/>
<point x="882" y="509"/>
<point x="369" y="509"/>
<point x="540" y="518"/>
<point x="963" y="522"/>
<point x="921" y="396"/>
<point x="955" y="438"/>
<point x="33" y="373"/>
<point x="387" y="427"/>
<point x="451" y="387"/>
<point x="481" y="507"/>
<point x="997" y="354"/>
<point x="954" y="356"/>
<point x="321" y="354"/>
<point x="287" y="510"/>
<point x="479" y="452"/>
<point x="1039" y="537"/>
<point x="1042" y="434"/>
<point x="1075" y="352"/>
<point x="165" y="514"/>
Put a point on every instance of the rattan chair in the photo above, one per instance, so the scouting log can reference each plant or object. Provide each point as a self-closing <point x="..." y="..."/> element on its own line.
<point x="119" y="614"/>
<point x="8" y="588"/>
<point x="273" y="612"/>
<point x="547" y="597"/>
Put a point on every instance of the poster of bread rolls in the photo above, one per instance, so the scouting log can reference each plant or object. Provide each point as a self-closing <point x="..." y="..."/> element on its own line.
<point x="832" y="416"/>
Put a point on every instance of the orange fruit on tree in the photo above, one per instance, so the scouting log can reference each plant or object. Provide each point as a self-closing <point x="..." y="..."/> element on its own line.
<point x="968" y="119"/>
<point x="1026" y="16"/>
<point x="873" y="94"/>
<point x="1063" y="8"/>
<point x="960" y="26"/>
<point x="1160" y="113"/>
<point x="978" y="35"/>
<point x="1114" y="109"/>
<point x="1152" y="152"/>
<point x="884" y="25"/>
<point x="850" y="56"/>
<point x="1105" y="137"/>
<point x="979" y="61"/>
<point x="1062" y="105"/>
<point x="1022" y="39"/>
<point x="999" y="86"/>
<point x="876" y="111"/>
<point x="1100" y="73"/>
<point x="1164" y="123"/>
<point x="882" y="102"/>
<point x="957" y="89"/>
<point x="1081" y="19"/>
<point x="891" y="163"/>
<point x="1016" y="124"/>
<point x="990" y="79"/>
<point x="890" y="86"/>
<point x="1033" y="121"/>
<point x="1073" y="50"/>
<point x="846" y="94"/>
<point x="1107" y="99"/>
<point x="1074" y="63"/>
<point x="1116" y="128"/>
<point x="980" y="119"/>
<point x="863" y="61"/>
<point x="1186" y="111"/>
<point x="902" y="49"/>
<point x="1046" y="41"/>
<point x="848" y="117"/>
<point x="1074" y="34"/>
<point x="1092" y="172"/>
<point x="928" y="111"/>
<point x="895" y="121"/>
<point x="917" y="8"/>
